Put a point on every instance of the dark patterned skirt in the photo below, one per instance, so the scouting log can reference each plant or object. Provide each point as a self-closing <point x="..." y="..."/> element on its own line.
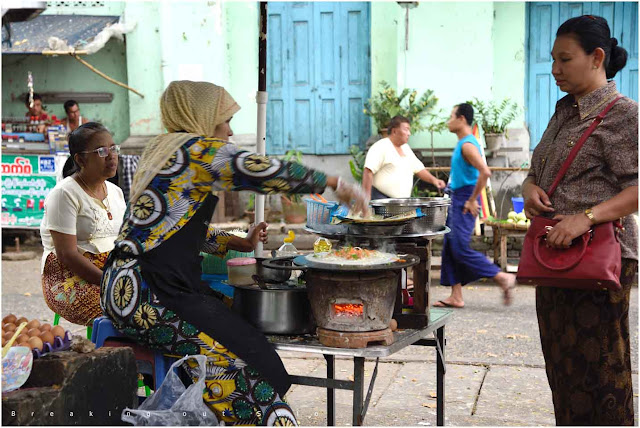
<point x="68" y="295"/>
<point x="587" y="352"/>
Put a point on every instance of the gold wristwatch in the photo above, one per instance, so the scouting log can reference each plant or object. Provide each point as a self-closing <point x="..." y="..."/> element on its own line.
<point x="589" y="213"/>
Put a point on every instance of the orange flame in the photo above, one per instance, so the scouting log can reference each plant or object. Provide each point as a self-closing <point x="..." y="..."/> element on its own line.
<point x="348" y="309"/>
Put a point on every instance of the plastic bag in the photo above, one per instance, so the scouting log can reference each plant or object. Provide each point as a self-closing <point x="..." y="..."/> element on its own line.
<point x="173" y="404"/>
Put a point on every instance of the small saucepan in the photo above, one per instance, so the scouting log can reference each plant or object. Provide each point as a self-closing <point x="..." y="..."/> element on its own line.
<point x="271" y="275"/>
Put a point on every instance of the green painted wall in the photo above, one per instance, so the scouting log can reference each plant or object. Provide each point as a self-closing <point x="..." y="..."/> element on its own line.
<point x="172" y="41"/>
<point x="242" y="56"/>
<point x="144" y="67"/>
<point x="385" y="28"/>
<point x="458" y="49"/>
<point x="66" y="74"/>
<point x="509" y="67"/>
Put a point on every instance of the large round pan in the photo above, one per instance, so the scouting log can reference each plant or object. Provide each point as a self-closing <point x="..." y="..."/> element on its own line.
<point x="303" y="263"/>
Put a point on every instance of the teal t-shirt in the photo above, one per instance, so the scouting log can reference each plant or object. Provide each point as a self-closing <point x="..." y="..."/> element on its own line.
<point x="462" y="172"/>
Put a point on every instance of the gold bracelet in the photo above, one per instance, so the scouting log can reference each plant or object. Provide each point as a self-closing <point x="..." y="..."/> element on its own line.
<point x="589" y="213"/>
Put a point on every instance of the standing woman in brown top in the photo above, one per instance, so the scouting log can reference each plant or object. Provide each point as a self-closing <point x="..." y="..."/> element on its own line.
<point x="585" y="334"/>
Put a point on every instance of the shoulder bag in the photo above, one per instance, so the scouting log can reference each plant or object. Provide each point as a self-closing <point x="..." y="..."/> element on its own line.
<point x="593" y="262"/>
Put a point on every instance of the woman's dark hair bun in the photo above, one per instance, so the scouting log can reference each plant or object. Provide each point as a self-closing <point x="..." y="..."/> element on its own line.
<point x="617" y="60"/>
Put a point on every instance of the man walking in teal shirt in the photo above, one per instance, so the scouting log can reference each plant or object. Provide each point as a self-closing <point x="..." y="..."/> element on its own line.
<point x="469" y="173"/>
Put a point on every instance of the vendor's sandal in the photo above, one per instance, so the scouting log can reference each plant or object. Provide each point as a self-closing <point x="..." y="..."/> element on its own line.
<point x="443" y="304"/>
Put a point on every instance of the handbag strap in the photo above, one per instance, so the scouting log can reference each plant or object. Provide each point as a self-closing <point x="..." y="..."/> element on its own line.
<point x="572" y="155"/>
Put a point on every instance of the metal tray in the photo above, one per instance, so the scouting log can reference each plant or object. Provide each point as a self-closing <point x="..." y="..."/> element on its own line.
<point x="339" y="236"/>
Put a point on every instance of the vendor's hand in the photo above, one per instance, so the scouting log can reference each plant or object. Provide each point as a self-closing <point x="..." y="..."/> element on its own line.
<point x="440" y="184"/>
<point x="536" y="201"/>
<point x="471" y="206"/>
<point x="257" y="233"/>
<point x="353" y="196"/>
<point x="569" y="228"/>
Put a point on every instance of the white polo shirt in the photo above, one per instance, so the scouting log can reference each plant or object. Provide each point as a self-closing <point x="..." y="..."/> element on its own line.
<point x="392" y="173"/>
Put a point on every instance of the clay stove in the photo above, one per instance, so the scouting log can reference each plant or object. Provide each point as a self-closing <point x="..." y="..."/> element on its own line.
<point x="353" y="309"/>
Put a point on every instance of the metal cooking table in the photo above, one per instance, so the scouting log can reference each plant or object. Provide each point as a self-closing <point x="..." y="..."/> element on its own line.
<point x="402" y="338"/>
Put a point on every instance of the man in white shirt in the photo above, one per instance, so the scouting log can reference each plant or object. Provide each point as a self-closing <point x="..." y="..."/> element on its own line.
<point x="391" y="164"/>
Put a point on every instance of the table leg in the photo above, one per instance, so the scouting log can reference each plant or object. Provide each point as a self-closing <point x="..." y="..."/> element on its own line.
<point x="440" y="377"/>
<point x="496" y="245"/>
<point x="358" y="389"/>
<point x="503" y="251"/>
<point x="331" y="392"/>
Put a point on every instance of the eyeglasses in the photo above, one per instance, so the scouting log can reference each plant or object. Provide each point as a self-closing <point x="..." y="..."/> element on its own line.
<point x="103" y="152"/>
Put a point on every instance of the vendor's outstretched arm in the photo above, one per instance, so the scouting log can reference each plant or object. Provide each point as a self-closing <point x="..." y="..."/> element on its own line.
<point x="425" y="175"/>
<point x="218" y="242"/>
<point x="235" y="170"/>
<point x="242" y="170"/>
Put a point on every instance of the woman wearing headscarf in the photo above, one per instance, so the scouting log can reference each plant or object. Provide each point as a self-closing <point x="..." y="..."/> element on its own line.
<point x="584" y="333"/>
<point x="151" y="286"/>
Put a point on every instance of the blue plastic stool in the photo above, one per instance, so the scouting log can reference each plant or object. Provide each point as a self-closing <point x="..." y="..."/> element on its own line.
<point x="103" y="330"/>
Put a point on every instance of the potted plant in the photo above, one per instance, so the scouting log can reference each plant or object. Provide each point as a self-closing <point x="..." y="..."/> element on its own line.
<point x="388" y="103"/>
<point x="357" y="163"/>
<point x="494" y="119"/>
<point x="294" y="209"/>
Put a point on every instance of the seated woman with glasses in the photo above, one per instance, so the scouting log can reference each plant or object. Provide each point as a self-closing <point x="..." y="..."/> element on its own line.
<point x="82" y="217"/>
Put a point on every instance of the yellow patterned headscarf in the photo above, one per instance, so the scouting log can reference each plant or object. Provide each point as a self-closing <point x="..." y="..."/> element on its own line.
<point x="189" y="109"/>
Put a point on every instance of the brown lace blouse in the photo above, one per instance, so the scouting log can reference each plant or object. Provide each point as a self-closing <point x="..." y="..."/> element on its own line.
<point x="606" y="164"/>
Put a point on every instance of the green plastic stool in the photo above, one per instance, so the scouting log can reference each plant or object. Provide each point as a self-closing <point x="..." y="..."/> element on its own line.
<point x="56" y="321"/>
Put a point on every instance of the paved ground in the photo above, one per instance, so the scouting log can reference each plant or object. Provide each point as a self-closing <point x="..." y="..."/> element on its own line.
<point x="495" y="367"/>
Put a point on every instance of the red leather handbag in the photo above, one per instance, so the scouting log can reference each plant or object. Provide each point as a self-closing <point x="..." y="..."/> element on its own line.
<point x="593" y="262"/>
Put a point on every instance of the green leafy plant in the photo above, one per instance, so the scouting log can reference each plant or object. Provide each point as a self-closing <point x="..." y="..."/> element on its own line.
<point x="357" y="163"/>
<point x="388" y="103"/>
<point x="492" y="117"/>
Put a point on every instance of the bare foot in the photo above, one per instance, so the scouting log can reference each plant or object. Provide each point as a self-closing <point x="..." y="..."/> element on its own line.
<point x="507" y="282"/>
<point x="449" y="303"/>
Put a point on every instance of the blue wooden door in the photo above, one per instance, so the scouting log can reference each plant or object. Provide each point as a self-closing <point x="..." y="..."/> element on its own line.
<point x="544" y="19"/>
<point x="318" y="76"/>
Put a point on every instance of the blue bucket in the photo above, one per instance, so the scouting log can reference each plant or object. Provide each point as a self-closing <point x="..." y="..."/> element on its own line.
<point x="518" y="204"/>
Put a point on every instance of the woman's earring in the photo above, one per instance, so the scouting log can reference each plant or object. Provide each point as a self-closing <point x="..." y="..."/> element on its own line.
<point x="595" y="67"/>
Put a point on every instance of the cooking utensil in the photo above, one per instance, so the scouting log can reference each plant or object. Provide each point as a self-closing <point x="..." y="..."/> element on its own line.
<point x="273" y="275"/>
<point x="390" y="229"/>
<point x="280" y="309"/>
<point x="434" y="210"/>
<point x="302" y="263"/>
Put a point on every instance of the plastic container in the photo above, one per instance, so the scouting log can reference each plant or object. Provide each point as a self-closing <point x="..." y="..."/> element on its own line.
<point x="518" y="204"/>
<point x="214" y="265"/>
<point x="241" y="270"/>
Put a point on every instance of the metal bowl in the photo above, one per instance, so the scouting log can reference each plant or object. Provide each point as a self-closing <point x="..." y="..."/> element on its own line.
<point x="375" y="229"/>
<point x="434" y="210"/>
